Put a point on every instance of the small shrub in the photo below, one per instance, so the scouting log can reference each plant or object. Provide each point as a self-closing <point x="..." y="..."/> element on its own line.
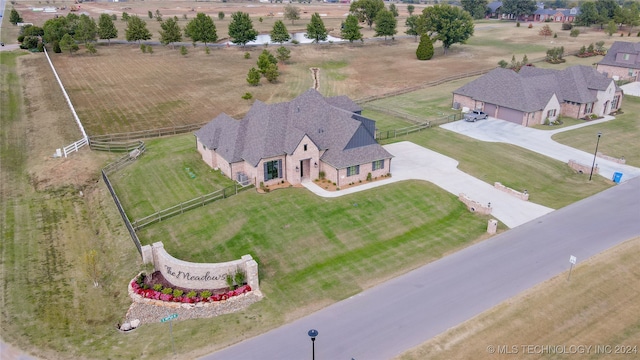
<point x="296" y="42"/>
<point x="56" y="47"/>
<point x="567" y="26"/>
<point x="247" y="96"/>
<point x="149" y="49"/>
<point x="503" y="63"/>
<point x="114" y="17"/>
<point x="530" y="26"/>
<point x="334" y="184"/>
<point x="185" y="17"/>
<point x="260" y="19"/>
<point x="239" y="277"/>
<point x="183" y="50"/>
<point x="167" y="291"/>
<point x="369" y="177"/>
<point x="518" y="24"/>
<point x="247" y="55"/>
<point x="229" y="280"/>
<point x="191" y="294"/>
<point x="157" y="287"/>
<point x="322" y="175"/>
<point x="206" y="50"/>
<point x="143" y="48"/>
<point x="574" y="33"/>
<point x="555" y="35"/>
<point x="221" y="15"/>
<point x="205" y="294"/>
<point x="621" y="34"/>
<point x="177" y="293"/>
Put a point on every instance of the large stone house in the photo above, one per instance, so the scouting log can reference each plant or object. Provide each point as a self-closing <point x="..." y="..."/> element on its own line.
<point x="622" y="61"/>
<point x="294" y="142"/>
<point x="534" y="95"/>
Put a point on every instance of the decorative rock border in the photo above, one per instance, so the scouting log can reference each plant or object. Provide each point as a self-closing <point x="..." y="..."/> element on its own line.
<point x="524" y="195"/>
<point x="581" y="168"/>
<point x="151" y="310"/>
<point x="475" y="206"/>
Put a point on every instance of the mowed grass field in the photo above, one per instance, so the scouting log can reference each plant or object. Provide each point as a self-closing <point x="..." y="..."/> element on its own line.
<point x="170" y="167"/>
<point x="597" y="307"/>
<point x="121" y="89"/>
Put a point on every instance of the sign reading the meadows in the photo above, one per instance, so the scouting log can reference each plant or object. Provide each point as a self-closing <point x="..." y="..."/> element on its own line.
<point x="188" y="276"/>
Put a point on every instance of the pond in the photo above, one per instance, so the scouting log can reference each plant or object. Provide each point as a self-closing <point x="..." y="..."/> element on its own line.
<point x="300" y="37"/>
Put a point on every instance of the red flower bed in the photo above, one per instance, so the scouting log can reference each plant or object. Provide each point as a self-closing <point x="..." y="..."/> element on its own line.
<point x="157" y="295"/>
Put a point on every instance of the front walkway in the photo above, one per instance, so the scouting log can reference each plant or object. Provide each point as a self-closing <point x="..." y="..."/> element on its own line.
<point x="412" y="161"/>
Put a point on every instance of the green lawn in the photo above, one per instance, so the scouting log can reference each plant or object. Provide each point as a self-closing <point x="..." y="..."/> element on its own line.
<point x="619" y="137"/>
<point x="169" y="172"/>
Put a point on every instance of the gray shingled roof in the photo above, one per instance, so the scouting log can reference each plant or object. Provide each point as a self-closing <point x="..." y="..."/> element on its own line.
<point x="531" y="89"/>
<point x="625" y="48"/>
<point x="277" y="129"/>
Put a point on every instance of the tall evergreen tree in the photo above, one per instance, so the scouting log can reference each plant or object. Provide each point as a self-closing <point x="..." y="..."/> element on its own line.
<point x="106" y="28"/>
<point x="385" y="24"/>
<point x="351" y="29"/>
<point x="14" y="17"/>
<point x="279" y="34"/>
<point x="170" y="32"/>
<point x="201" y="28"/>
<point x="68" y="44"/>
<point x="588" y="14"/>
<point x="241" y="29"/>
<point x="316" y="29"/>
<point x="137" y="29"/>
<point x="425" y="48"/>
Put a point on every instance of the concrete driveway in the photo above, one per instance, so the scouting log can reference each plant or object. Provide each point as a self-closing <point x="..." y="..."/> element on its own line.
<point x="632" y="89"/>
<point x="412" y="161"/>
<point x="540" y="141"/>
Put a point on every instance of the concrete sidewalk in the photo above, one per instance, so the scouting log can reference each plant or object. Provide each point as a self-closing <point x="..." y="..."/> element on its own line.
<point x="412" y="161"/>
<point x="540" y="141"/>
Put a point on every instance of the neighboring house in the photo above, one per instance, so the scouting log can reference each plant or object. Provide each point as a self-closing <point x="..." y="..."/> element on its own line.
<point x="622" y="61"/>
<point x="493" y="9"/>
<point x="295" y="141"/>
<point x="558" y="15"/>
<point x="533" y="95"/>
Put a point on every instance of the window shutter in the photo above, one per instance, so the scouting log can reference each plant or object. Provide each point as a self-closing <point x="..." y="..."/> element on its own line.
<point x="382" y="165"/>
<point x="357" y="169"/>
<point x="279" y="168"/>
<point x="266" y="174"/>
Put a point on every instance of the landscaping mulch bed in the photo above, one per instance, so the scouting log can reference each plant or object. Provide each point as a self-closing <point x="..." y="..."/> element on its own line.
<point x="157" y="278"/>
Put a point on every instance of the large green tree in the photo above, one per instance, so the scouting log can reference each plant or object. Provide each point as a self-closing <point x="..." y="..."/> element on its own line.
<point x="316" y="29"/>
<point x="291" y="13"/>
<point x="279" y="33"/>
<point x="351" y="29"/>
<point x="265" y="60"/>
<point x="201" y="28"/>
<point x="137" y="29"/>
<point x="68" y="44"/>
<point x="366" y="10"/>
<point x="241" y="29"/>
<point x="106" y="28"/>
<point x="413" y="24"/>
<point x="55" y="29"/>
<point x="588" y="14"/>
<point x="518" y="8"/>
<point x="386" y="24"/>
<point x="446" y="23"/>
<point x="628" y="15"/>
<point x="171" y="32"/>
<point x="394" y="10"/>
<point x="14" y="17"/>
<point x="477" y="8"/>
<point x="86" y="29"/>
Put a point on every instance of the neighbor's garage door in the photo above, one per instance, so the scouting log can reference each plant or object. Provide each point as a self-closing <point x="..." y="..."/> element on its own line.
<point x="490" y="109"/>
<point x="510" y="115"/>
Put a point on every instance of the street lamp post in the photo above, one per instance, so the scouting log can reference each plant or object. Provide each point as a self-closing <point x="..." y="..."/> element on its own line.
<point x="595" y="153"/>
<point x="312" y="334"/>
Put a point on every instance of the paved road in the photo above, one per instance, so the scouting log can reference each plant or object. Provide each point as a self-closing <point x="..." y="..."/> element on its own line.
<point x="385" y="321"/>
<point x="412" y="161"/>
<point x="494" y="130"/>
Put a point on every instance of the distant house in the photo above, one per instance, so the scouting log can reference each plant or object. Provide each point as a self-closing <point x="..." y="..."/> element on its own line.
<point x="533" y="95"/>
<point x="294" y="142"/>
<point x="557" y="15"/>
<point x="622" y="61"/>
<point x="493" y="9"/>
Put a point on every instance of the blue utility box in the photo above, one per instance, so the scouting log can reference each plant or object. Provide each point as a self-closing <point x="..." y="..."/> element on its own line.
<point x="616" y="177"/>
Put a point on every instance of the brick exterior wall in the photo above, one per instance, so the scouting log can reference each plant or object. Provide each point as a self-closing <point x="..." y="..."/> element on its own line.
<point x="621" y="72"/>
